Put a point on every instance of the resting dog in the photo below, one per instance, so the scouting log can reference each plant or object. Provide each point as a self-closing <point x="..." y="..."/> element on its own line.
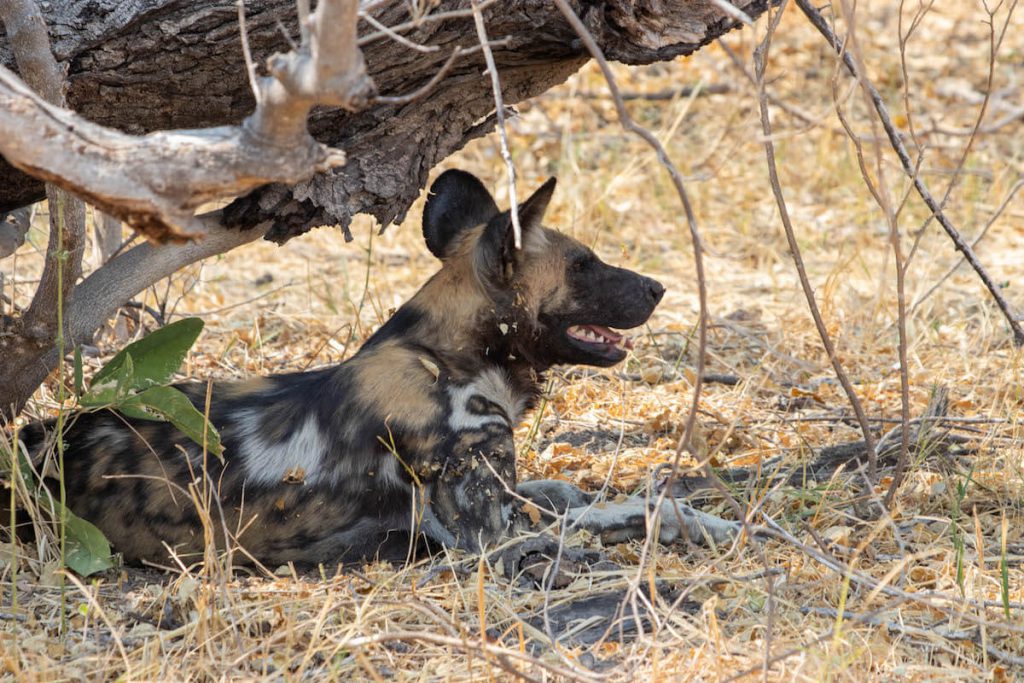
<point x="409" y="439"/>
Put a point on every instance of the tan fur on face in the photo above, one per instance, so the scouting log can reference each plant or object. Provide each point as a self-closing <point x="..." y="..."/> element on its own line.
<point x="542" y="272"/>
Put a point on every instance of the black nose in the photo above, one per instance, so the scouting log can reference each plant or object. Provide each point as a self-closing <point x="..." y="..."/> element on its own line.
<point x="654" y="291"/>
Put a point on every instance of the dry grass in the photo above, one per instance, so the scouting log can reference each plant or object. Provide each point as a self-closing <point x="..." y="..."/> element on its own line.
<point x="271" y="309"/>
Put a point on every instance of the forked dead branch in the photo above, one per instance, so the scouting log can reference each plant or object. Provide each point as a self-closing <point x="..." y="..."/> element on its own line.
<point x="911" y="170"/>
<point x="154" y="183"/>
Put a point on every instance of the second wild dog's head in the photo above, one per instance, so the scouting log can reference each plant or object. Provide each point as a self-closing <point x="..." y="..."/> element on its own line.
<point x="551" y="302"/>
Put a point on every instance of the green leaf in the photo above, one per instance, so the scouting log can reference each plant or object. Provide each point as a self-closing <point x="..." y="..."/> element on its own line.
<point x="79" y="382"/>
<point x="114" y="386"/>
<point x="86" y="549"/>
<point x="179" y="411"/>
<point x="157" y="356"/>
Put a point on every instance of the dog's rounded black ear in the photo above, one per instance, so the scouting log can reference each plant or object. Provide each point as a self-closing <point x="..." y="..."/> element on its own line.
<point x="457" y="201"/>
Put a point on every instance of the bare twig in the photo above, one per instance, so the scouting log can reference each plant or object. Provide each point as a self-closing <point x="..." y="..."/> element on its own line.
<point x="972" y="635"/>
<point x="994" y="44"/>
<point x="908" y="166"/>
<point x="663" y="95"/>
<point x="427" y="87"/>
<point x="250" y="68"/>
<point x="499" y="104"/>
<point x="735" y="12"/>
<point x="879" y="190"/>
<point x="503" y="657"/>
<point x="398" y="38"/>
<point x="974" y="243"/>
<point x="760" y="66"/>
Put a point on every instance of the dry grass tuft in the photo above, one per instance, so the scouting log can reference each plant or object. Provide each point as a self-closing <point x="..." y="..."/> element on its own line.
<point x="926" y="597"/>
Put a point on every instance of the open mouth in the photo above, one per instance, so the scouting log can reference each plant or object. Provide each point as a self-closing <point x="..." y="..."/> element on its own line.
<point x="599" y="337"/>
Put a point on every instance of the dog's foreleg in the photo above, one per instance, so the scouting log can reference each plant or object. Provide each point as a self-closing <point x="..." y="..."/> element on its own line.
<point x="616" y="522"/>
<point x="553" y="495"/>
<point x="471" y="499"/>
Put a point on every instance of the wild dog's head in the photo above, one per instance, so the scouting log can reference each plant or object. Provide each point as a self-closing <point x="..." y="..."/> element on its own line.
<point x="553" y="301"/>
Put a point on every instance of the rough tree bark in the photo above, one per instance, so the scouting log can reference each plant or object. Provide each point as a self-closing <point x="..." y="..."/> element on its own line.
<point x="37" y="329"/>
<point x="148" y="65"/>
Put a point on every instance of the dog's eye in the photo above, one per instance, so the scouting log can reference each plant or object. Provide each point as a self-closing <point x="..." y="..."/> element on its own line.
<point x="580" y="263"/>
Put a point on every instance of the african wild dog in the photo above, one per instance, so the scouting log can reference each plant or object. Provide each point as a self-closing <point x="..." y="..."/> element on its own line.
<point x="410" y="438"/>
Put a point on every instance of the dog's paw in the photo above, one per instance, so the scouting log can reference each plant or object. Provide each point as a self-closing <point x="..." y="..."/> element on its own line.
<point x="616" y="522"/>
<point x="540" y="562"/>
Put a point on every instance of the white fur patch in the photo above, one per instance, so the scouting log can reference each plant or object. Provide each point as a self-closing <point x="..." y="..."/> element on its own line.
<point x="492" y="385"/>
<point x="297" y="458"/>
<point x="389" y="472"/>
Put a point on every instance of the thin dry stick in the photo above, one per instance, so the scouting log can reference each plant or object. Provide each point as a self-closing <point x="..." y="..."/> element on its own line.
<point x="896" y="142"/>
<point x="949" y="605"/>
<point x="974" y="243"/>
<point x="427" y="87"/>
<point x="499" y="103"/>
<point x="994" y="44"/>
<point x="629" y="124"/>
<point x="760" y="65"/>
<point x="502" y="656"/>
<point x="880" y="193"/>
<point x="243" y="34"/>
<point x="972" y="635"/>
<point x="686" y="439"/>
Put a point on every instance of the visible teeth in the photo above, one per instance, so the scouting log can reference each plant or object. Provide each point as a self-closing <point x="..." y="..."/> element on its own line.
<point x="592" y="336"/>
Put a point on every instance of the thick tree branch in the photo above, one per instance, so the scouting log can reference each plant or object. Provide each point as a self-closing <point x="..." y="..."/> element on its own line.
<point x="39" y="326"/>
<point x="152" y="65"/>
<point x="100" y="295"/>
<point x="155" y="182"/>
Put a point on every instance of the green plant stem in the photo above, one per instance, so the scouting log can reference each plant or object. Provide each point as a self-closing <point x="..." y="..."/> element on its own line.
<point x="58" y="225"/>
<point x="15" y="474"/>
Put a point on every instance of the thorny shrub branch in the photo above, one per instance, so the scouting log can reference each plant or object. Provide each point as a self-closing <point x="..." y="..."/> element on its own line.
<point x="819" y="23"/>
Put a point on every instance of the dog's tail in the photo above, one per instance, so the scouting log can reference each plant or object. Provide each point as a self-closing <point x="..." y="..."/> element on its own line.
<point x="34" y="437"/>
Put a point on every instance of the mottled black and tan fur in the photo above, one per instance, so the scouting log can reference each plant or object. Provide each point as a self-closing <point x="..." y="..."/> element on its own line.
<point x="411" y="438"/>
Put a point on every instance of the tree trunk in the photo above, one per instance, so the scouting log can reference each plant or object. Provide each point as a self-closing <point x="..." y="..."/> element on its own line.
<point x="145" y="65"/>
